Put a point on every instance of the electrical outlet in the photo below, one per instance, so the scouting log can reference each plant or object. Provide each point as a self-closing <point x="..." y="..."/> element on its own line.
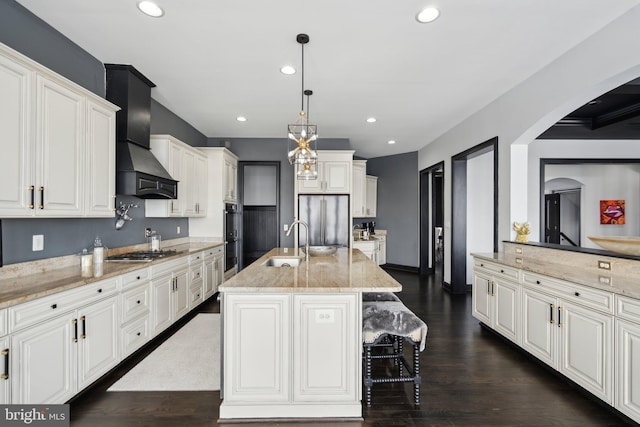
<point x="605" y="265"/>
<point x="178" y="230"/>
<point x="37" y="242"/>
<point x="286" y="227"/>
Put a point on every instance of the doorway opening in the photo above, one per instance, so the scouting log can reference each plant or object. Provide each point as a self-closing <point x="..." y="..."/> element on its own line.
<point x="259" y="208"/>
<point x="432" y="220"/>
<point x="474" y="210"/>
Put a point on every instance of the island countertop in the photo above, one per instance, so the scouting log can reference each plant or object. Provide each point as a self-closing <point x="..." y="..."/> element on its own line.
<point x="348" y="270"/>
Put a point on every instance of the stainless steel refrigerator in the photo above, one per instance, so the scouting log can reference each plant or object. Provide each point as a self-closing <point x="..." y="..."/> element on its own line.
<point x="328" y="219"/>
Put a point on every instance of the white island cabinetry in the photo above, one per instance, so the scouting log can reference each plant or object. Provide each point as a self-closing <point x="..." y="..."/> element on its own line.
<point x="292" y="339"/>
<point x="628" y="356"/>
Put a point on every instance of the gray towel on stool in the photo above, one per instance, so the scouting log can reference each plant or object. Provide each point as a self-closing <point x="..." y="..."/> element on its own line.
<point x="379" y="296"/>
<point x="391" y="317"/>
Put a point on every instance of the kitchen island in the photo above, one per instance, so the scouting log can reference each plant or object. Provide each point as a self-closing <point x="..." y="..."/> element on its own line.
<point x="292" y="335"/>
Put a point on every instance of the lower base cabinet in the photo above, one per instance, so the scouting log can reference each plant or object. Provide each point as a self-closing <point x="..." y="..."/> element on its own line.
<point x="628" y="368"/>
<point x="52" y="361"/>
<point x="291" y="355"/>
<point x="170" y="294"/>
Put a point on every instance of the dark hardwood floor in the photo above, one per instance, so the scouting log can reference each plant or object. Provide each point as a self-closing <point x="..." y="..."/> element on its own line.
<point x="471" y="377"/>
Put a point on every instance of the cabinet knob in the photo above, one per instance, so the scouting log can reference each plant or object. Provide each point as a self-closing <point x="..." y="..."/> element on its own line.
<point x="577" y="294"/>
<point x="138" y="334"/>
<point x="501" y="271"/>
<point x="100" y="290"/>
<point x="54" y="306"/>
<point x="537" y="282"/>
<point x="137" y="277"/>
<point x="138" y="301"/>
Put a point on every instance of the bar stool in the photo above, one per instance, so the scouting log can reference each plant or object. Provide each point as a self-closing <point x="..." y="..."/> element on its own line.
<point x="387" y="324"/>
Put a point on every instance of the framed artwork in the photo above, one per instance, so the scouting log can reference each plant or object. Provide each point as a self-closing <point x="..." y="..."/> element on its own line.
<point x="612" y="212"/>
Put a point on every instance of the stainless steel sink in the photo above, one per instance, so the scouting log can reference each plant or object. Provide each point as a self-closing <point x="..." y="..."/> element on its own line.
<point x="282" y="262"/>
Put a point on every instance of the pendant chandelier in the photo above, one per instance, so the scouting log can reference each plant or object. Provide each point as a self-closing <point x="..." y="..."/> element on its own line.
<point x="302" y="135"/>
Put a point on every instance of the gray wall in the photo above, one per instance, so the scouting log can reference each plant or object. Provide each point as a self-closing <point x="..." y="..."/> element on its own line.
<point x="26" y="33"/>
<point x="398" y="205"/>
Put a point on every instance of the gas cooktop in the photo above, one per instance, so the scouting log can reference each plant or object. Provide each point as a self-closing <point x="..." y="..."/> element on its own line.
<point x="141" y="256"/>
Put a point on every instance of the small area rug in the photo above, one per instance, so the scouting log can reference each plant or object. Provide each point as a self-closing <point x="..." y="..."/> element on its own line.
<point x="188" y="361"/>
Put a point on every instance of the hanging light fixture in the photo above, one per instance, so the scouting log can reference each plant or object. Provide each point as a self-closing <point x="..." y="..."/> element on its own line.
<point x="302" y="135"/>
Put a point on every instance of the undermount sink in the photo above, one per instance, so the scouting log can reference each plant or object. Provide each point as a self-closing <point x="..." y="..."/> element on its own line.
<point x="282" y="262"/>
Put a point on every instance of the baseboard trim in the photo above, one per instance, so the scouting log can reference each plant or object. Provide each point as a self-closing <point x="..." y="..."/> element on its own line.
<point x="400" y="268"/>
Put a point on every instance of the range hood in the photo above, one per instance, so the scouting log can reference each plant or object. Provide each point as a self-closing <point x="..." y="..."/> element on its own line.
<point x="138" y="172"/>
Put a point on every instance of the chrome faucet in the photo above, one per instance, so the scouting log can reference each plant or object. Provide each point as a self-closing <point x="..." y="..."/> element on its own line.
<point x="306" y="242"/>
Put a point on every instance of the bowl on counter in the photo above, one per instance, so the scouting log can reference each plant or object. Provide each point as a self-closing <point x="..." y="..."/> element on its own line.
<point x="321" y="250"/>
<point x="626" y="245"/>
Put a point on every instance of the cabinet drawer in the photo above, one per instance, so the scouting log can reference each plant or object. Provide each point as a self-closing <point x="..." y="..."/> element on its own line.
<point x="212" y="252"/>
<point x="195" y="295"/>
<point x="135" y="302"/>
<point x="628" y="308"/>
<point x="589" y="297"/>
<point x="169" y="266"/>
<point x="135" y="277"/>
<point x="196" y="258"/>
<point x="196" y="273"/>
<point x="4" y="330"/>
<point x="135" y="335"/>
<point x="498" y="270"/>
<point x="41" y="309"/>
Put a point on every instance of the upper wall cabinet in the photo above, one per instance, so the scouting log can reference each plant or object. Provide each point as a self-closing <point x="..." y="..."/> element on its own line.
<point x="58" y="143"/>
<point x="372" y="196"/>
<point x="188" y="166"/>
<point x="358" y="189"/>
<point x="334" y="174"/>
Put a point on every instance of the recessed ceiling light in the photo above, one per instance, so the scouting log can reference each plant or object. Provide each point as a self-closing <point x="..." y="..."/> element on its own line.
<point x="241" y="119"/>
<point x="391" y="142"/>
<point x="371" y="120"/>
<point x="150" y="8"/>
<point x="428" y="14"/>
<point x="288" y="70"/>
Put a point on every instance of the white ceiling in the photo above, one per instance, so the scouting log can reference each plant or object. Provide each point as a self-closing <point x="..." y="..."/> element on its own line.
<point x="213" y="60"/>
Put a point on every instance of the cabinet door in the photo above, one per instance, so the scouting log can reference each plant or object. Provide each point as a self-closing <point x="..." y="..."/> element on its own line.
<point x="200" y="184"/>
<point x="230" y="180"/>
<point x="372" y="196"/>
<point x="358" y="193"/>
<point x="337" y="177"/>
<point x="175" y="159"/>
<point x="627" y="368"/>
<point x="98" y="340"/>
<point x="539" y="325"/>
<point x="325" y="357"/>
<point x="181" y="294"/>
<point x="5" y="380"/>
<point x="43" y="362"/>
<point x="161" y="307"/>
<point x="587" y="348"/>
<point x="256" y="348"/>
<point x="382" y="256"/>
<point x="16" y="162"/>
<point x="506" y="299"/>
<point x="60" y="136"/>
<point x="187" y="197"/>
<point x="312" y="185"/>
<point x="209" y="277"/>
<point x="481" y="294"/>
<point x="101" y="162"/>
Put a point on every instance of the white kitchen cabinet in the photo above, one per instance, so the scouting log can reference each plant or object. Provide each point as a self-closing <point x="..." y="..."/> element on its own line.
<point x="5" y="379"/>
<point x="628" y="356"/>
<point x="185" y="164"/>
<point x="359" y="188"/>
<point x="276" y="352"/>
<point x="17" y="132"/>
<point x="196" y="280"/>
<point x="230" y="178"/>
<point x="382" y="248"/>
<point x="100" y="191"/>
<point x="371" y="202"/>
<point x="324" y="372"/>
<point x="496" y="298"/>
<point x="562" y="328"/>
<point x="55" y="134"/>
<point x="58" y="356"/>
<point x="135" y="309"/>
<point x="334" y="174"/>
<point x="170" y="289"/>
<point x="256" y="347"/>
<point x="213" y="270"/>
<point x="368" y="247"/>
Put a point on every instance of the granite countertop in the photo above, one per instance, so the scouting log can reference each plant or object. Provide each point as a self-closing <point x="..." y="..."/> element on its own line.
<point x="348" y="270"/>
<point x="622" y="284"/>
<point x="20" y="288"/>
